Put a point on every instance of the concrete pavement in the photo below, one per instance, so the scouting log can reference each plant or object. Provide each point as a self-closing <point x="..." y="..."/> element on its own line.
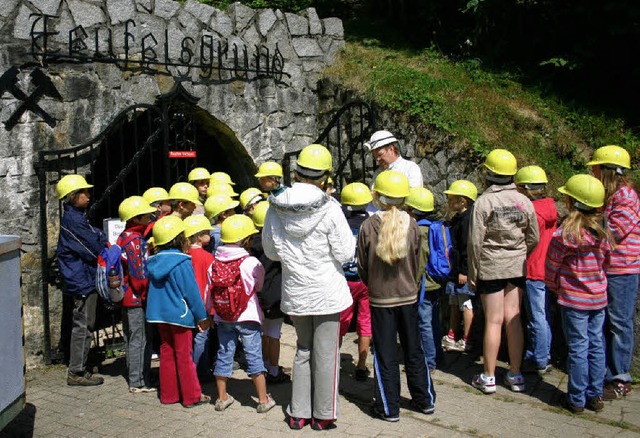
<point x="55" y="409"/>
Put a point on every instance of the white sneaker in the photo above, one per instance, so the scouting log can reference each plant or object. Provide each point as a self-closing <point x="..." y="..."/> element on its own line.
<point x="221" y="405"/>
<point x="514" y="381"/>
<point x="484" y="383"/>
<point x="448" y="343"/>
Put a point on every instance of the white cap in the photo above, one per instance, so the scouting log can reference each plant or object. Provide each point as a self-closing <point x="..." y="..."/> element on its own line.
<point x="380" y="139"/>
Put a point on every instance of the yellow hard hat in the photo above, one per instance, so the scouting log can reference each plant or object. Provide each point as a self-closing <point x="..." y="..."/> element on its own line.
<point x="249" y="195"/>
<point x="260" y="213"/>
<point x="392" y="184"/>
<point x="462" y="187"/>
<point x="236" y="228"/>
<point x="269" y="168"/>
<point x="71" y="183"/>
<point x="315" y="157"/>
<point x="227" y="189"/>
<point x="134" y="206"/>
<point x="420" y="199"/>
<point x="166" y="229"/>
<point x="155" y="194"/>
<point x="197" y="174"/>
<point x="585" y="189"/>
<point x="217" y="203"/>
<point x="612" y="155"/>
<point x="183" y="191"/>
<point x="501" y="162"/>
<point x="220" y="178"/>
<point x="531" y="175"/>
<point x="195" y="224"/>
<point x="355" y="194"/>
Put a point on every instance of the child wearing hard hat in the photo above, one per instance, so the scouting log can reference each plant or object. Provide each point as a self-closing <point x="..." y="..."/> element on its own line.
<point x="388" y="262"/>
<point x="217" y="208"/>
<point x="79" y="245"/>
<point x="184" y="199"/>
<point x="270" y="178"/>
<point x="461" y="195"/>
<point x="355" y="197"/>
<point x="136" y="212"/>
<point x="611" y="165"/>
<point x="196" y="229"/>
<point x="199" y="177"/>
<point x="175" y="305"/>
<point x="531" y="182"/>
<point x="420" y="205"/>
<point x="236" y="232"/>
<point x="270" y="298"/>
<point x="575" y="269"/>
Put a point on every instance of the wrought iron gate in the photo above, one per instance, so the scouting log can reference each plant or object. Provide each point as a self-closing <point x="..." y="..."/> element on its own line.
<point x="344" y="136"/>
<point x="136" y="144"/>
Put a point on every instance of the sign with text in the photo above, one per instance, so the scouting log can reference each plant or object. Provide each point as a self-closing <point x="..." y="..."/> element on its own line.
<point x="182" y="154"/>
<point x="112" y="227"/>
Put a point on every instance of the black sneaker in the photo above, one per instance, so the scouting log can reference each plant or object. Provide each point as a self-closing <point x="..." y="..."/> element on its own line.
<point x="380" y="414"/>
<point x="571" y="407"/>
<point x="86" y="379"/>
<point x="361" y="374"/>
<point x="427" y="410"/>
<point x="595" y="404"/>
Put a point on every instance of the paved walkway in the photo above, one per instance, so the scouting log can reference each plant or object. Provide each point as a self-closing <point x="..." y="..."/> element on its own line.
<point x="54" y="409"/>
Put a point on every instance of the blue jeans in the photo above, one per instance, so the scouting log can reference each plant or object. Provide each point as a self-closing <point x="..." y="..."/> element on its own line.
<point x="536" y="304"/>
<point x="622" y="291"/>
<point x="430" y="329"/>
<point x="201" y="353"/>
<point x="251" y="335"/>
<point x="585" y="362"/>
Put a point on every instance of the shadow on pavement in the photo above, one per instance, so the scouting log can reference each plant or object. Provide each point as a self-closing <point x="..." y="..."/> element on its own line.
<point x="22" y="426"/>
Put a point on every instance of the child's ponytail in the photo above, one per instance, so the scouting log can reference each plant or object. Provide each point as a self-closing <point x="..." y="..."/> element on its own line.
<point x="392" y="238"/>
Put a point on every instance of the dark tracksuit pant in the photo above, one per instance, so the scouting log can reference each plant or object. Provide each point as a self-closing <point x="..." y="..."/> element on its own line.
<point x="387" y="323"/>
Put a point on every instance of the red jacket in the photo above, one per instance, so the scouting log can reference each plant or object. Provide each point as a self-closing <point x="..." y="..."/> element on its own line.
<point x="547" y="216"/>
<point x="134" y="265"/>
<point x="201" y="260"/>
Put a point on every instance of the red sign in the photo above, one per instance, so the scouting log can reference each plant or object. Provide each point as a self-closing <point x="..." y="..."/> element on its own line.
<point x="182" y="154"/>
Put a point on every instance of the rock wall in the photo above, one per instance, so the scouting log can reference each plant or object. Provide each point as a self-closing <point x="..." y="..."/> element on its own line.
<point x="268" y="113"/>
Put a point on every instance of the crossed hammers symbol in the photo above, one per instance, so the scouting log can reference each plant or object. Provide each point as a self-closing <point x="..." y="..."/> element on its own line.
<point x="44" y="87"/>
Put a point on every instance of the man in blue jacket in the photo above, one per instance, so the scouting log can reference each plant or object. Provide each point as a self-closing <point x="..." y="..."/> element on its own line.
<point x="78" y="247"/>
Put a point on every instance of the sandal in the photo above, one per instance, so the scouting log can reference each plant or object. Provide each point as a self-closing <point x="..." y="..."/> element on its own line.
<point x="204" y="400"/>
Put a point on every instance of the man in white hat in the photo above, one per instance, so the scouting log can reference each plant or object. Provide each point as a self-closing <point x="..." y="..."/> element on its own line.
<point x="386" y="152"/>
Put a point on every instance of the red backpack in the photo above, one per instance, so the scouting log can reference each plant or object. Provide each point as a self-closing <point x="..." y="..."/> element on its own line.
<point x="227" y="290"/>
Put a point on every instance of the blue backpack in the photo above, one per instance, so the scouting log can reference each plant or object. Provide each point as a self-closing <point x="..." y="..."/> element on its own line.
<point x="351" y="267"/>
<point x="438" y="264"/>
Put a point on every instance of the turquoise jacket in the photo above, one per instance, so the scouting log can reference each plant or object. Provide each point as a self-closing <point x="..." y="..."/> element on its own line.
<point x="174" y="297"/>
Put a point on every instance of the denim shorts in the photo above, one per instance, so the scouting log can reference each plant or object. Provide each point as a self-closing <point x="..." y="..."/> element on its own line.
<point x="251" y="335"/>
<point x="456" y="289"/>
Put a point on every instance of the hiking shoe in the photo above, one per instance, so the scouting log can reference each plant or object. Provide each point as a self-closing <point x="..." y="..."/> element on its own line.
<point x="448" y="343"/>
<point x="298" y="423"/>
<point x="571" y="407"/>
<point x="460" y="345"/>
<point x="514" y="381"/>
<point x="544" y="370"/>
<point x="221" y="405"/>
<point x="616" y="390"/>
<point x="361" y="374"/>
<point x="380" y="414"/>
<point x="204" y="400"/>
<point x="266" y="406"/>
<point x="323" y="424"/>
<point x="595" y="404"/>
<point x="141" y="389"/>
<point x="484" y="383"/>
<point x="85" y="379"/>
<point x="281" y="377"/>
<point x="427" y="410"/>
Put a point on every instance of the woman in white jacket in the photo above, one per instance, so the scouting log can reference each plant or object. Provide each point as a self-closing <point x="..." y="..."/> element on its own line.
<point x="306" y="230"/>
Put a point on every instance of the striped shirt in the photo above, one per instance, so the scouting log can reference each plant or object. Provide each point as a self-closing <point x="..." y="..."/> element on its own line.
<point x="623" y="216"/>
<point x="576" y="272"/>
